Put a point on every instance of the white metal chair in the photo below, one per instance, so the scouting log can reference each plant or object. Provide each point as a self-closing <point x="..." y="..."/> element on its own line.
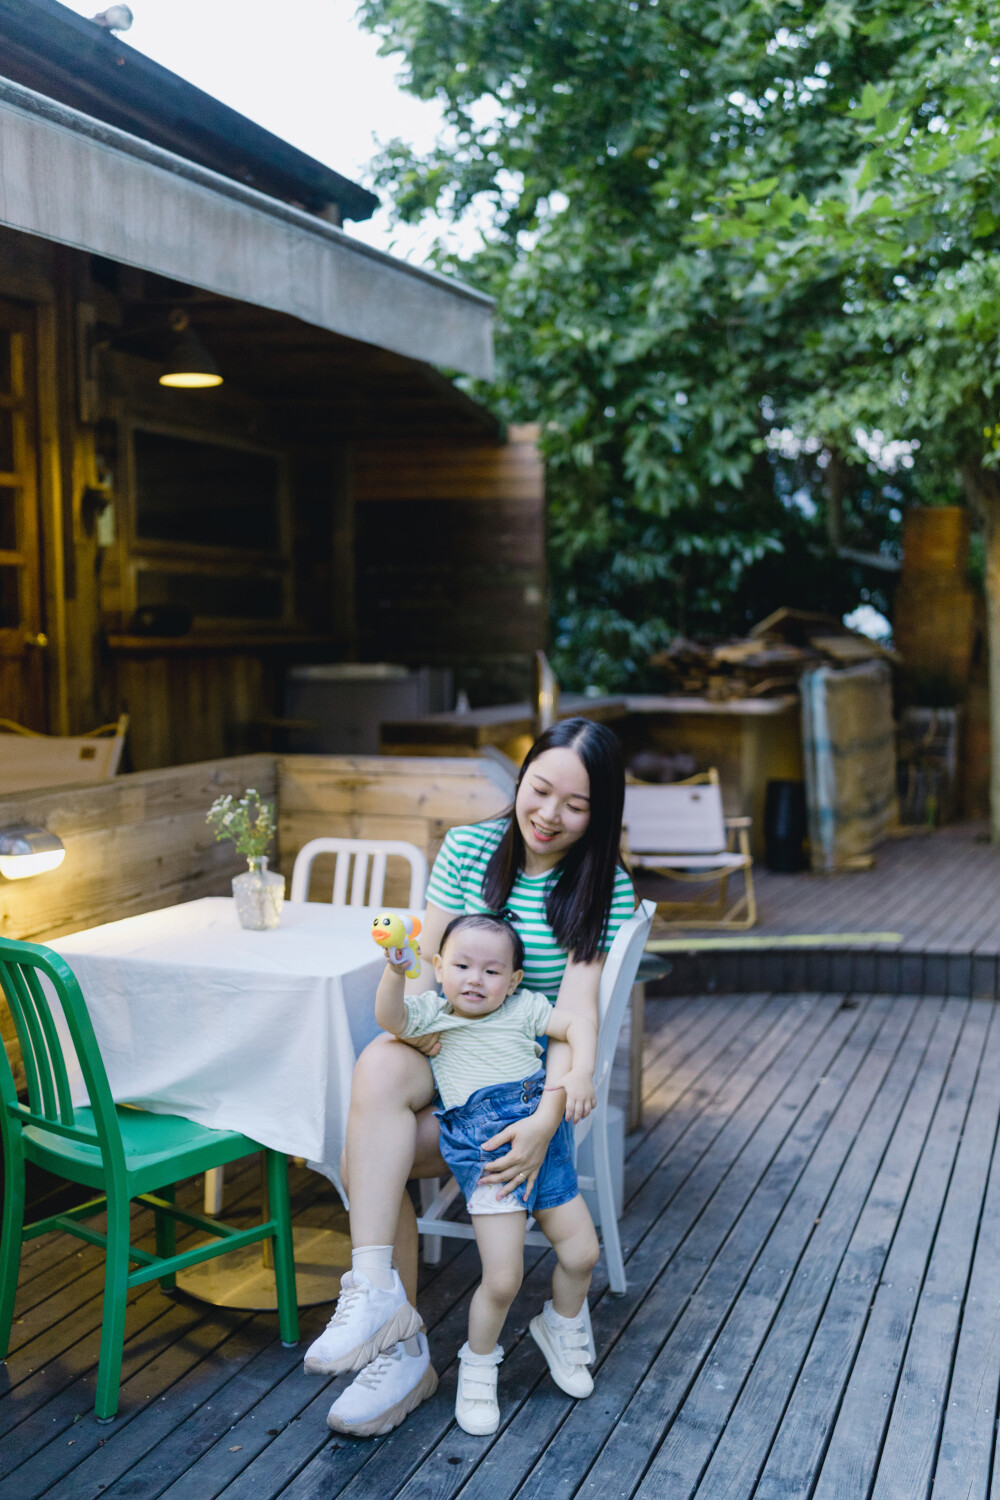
<point x="680" y="831"/>
<point x="366" y="886"/>
<point x="617" y="980"/>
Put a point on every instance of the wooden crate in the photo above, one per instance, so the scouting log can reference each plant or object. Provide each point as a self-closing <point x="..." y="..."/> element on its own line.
<point x="417" y="798"/>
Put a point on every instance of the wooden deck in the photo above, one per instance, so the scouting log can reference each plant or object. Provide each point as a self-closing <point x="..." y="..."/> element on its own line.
<point x="940" y="892"/>
<point x="813" y="1239"/>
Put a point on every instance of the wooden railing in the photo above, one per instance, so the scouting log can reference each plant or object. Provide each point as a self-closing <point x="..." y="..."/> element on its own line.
<point x="140" y="842"/>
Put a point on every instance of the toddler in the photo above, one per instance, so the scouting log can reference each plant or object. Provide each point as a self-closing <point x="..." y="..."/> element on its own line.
<point x="488" y="1076"/>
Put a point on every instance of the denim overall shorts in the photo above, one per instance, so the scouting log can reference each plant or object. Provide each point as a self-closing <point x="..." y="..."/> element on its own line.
<point x="485" y="1113"/>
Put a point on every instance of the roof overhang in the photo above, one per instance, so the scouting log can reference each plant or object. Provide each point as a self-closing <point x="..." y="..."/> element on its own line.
<point x="76" y="181"/>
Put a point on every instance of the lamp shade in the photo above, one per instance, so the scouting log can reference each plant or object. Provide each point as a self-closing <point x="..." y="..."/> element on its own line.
<point x="190" y="366"/>
<point x="28" y="851"/>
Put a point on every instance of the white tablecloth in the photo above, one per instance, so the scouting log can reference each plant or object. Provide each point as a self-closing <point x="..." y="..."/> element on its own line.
<point x="249" y="1031"/>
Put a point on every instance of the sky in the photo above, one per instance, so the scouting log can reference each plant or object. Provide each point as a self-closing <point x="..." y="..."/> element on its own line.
<point x="314" y="79"/>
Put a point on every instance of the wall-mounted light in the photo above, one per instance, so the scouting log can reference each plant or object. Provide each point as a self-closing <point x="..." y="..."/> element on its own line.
<point x="189" y="366"/>
<point x="28" y="851"/>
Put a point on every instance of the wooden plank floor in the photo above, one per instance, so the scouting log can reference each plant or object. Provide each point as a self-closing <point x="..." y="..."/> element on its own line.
<point x="812" y="1231"/>
<point x="940" y="892"/>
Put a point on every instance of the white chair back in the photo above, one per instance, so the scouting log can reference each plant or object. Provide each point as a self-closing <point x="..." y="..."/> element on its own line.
<point x="359" y="874"/>
<point x="617" y="979"/>
<point x="682" y="819"/>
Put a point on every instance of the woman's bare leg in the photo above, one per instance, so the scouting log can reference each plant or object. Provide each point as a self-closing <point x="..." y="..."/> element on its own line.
<point x="427" y="1163"/>
<point x="388" y="1141"/>
<point x="391" y="1083"/>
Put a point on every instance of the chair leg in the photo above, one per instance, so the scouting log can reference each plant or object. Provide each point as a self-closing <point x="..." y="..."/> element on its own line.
<point x="604" y="1186"/>
<point x="11" y="1226"/>
<point x="751" y="896"/>
<point x="166" y="1236"/>
<point x="284" y="1252"/>
<point x="109" y="1368"/>
<point x="429" y="1189"/>
<point x="214" y="1179"/>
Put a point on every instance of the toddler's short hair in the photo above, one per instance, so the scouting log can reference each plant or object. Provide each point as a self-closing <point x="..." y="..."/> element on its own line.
<point x="489" y="923"/>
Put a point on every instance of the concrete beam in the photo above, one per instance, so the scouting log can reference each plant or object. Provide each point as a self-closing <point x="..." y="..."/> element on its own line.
<point x="77" y="181"/>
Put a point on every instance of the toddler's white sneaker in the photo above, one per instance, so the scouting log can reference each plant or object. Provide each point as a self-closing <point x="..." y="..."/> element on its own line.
<point x="476" y="1407"/>
<point x="565" y="1343"/>
<point x="367" y="1321"/>
<point x="386" y="1391"/>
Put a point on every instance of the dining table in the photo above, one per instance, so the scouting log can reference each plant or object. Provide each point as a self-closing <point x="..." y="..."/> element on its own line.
<point x="238" y="1030"/>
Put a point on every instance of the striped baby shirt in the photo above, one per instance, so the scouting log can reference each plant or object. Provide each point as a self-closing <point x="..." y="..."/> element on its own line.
<point x="479" y="1051"/>
<point x="456" y="885"/>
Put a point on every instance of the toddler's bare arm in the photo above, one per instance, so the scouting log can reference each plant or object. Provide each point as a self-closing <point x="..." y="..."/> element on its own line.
<point x="390" y="1007"/>
<point x="581" y="1034"/>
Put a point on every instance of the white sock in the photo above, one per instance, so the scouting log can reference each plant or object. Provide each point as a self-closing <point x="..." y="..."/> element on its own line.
<point x="375" y="1262"/>
<point x="556" y="1320"/>
<point x="472" y="1358"/>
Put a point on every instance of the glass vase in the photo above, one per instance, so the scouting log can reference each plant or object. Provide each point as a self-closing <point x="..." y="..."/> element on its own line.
<point x="258" y="894"/>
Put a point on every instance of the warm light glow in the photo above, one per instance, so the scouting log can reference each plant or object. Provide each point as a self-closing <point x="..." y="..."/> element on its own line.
<point x="19" y="866"/>
<point x="192" y="381"/>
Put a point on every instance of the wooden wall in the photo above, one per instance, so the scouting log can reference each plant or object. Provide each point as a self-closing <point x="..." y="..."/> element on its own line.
<point x="189" y="704"/>
<point x="415" y="798"/>
<point x="450" y="546"/>
<point x="132" y="844"/>
<point x="140" y="842"/>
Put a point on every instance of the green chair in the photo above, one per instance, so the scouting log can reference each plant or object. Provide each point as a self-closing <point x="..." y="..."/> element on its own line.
<point x="122" y="1152"/>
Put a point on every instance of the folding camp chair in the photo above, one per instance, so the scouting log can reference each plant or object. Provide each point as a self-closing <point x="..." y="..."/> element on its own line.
<point x="680" y="831"/>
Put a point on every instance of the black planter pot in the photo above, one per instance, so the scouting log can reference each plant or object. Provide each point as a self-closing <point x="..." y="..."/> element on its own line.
<point x="785" y="827"/>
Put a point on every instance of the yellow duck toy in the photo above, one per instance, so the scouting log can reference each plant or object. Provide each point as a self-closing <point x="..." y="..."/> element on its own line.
<point x="398" y="936"/>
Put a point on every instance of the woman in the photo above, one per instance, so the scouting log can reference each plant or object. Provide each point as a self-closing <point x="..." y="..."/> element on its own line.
<point x="553" y="866"/>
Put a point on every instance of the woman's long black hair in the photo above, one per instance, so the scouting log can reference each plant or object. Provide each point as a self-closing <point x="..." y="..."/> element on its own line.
<point x="578" y="904"/>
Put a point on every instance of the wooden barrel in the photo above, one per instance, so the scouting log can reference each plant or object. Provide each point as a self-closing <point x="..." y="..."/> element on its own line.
<point x="936" y="542"/>
<point x="933" y="615"/>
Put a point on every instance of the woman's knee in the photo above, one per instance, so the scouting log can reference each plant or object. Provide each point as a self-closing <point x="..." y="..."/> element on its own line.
<point x="389" y="1073"/>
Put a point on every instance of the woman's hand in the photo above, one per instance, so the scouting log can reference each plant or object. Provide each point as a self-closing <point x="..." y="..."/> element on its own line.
<point x="528" y="1140"/>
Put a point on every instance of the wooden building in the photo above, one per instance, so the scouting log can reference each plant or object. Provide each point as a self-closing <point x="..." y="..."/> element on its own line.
<point x="170" y="552"/>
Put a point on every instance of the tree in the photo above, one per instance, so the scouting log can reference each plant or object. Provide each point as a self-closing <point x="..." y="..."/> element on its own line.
<point x="589" y="135"/>
<point x="911" y="229"/>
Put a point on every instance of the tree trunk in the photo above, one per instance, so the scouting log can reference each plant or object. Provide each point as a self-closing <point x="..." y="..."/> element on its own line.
<point x="982" y="487"/>
<point x="834" y="490"/>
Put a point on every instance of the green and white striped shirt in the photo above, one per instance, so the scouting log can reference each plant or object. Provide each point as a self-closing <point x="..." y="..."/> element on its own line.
<point x="456" y="885"/>
<point x="479" y="1051"/>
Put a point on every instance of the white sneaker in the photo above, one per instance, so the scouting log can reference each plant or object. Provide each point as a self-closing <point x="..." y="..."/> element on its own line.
<point x="367" y="1321"/>
<point x="385" y="1392"/>
<point x="567" y="1351"/>
<point x="476" y="1407"/>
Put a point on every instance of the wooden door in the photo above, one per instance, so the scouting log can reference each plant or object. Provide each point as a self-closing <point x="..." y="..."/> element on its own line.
<point x="22" y="641"/>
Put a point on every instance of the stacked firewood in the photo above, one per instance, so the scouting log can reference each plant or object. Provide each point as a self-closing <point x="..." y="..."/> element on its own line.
<point x="767" y="662"/>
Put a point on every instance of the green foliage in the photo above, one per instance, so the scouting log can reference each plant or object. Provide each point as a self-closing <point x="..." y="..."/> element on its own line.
<point x="707" y="221"/>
